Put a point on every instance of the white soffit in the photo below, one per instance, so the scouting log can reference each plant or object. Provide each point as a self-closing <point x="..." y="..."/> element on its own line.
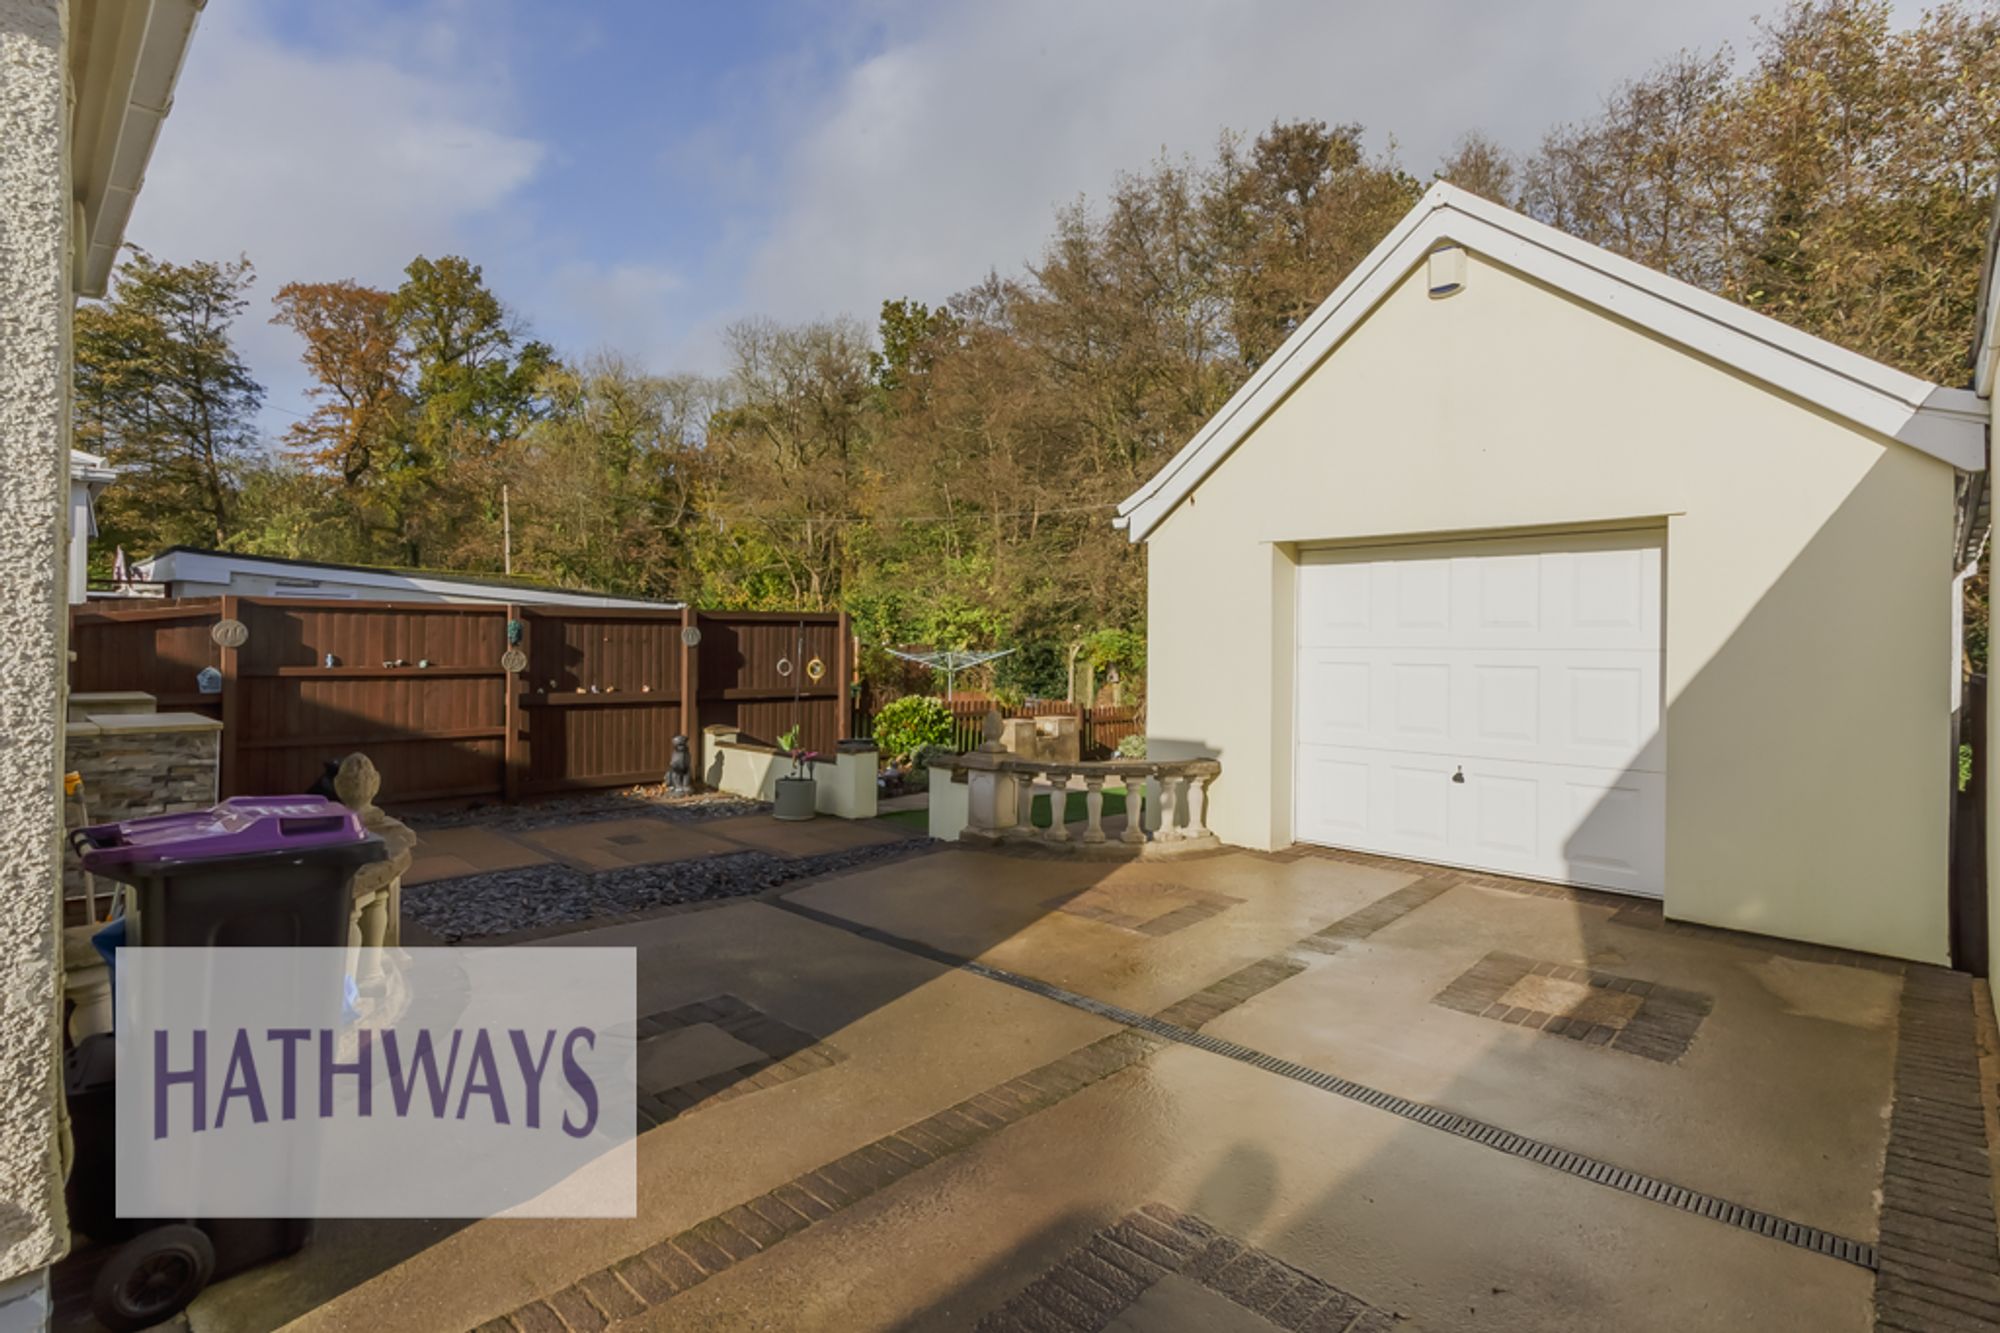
<point x="125" y="57"/>
<point x="1947" y="424"/>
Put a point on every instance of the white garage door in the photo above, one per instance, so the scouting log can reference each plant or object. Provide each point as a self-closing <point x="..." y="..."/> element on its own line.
<point x="1494" y="705"/>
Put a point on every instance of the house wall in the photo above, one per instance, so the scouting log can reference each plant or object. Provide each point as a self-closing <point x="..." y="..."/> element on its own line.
<point x="1807" y="589"/>
<point x="35" y="301"/>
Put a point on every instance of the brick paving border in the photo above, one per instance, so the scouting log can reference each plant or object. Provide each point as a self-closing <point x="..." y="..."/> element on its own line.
<point x="1939" y="1263"/>
<point x="658" y="1274"/>
<point x="1102" y="1278"/>
<point x="788" y="1054"/>
<point x="1661" y="1029"/>
<point x="1194" y="906"/>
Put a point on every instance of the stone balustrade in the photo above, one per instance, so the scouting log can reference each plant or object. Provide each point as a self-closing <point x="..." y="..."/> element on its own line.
<point x="1166" y="802"/>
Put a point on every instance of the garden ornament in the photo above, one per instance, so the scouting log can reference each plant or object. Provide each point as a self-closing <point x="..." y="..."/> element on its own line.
<point x="680" y="769"/>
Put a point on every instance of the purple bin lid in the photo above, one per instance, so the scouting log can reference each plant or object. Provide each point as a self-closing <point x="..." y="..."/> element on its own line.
<point x="239" y="826"/>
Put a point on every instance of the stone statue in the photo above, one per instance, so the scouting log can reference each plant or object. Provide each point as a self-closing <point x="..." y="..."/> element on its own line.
<point x="378" y="888"/>
<point x="680" y="770"/>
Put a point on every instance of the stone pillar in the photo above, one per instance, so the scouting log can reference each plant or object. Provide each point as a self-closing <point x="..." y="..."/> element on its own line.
<point x="35" y="305"/>
<point x="857" y="768"/>
<point x="378" y="889"/>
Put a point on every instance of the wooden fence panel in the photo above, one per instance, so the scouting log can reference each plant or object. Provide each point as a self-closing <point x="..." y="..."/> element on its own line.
<point x="155" y="646"/>
<point x="621" y="734"/>
<point x="462" y="726"/>
<point x="754" y="673"/>
<point x="434" y="731"/>
<point x="1099" y="729"/>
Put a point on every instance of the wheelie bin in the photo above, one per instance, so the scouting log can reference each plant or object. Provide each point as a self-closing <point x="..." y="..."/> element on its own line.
<point x="257" y="871"/>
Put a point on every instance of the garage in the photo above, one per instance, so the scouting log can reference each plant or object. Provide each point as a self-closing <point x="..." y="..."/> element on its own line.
<point x="1492" y="705"/>
<point x="1520" y="557"/>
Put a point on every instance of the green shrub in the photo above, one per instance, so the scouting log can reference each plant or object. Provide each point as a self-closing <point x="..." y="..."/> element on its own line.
<point x="1132" y="747"/>
<point x="906" y="725"/>
<point x="927" y="755"/>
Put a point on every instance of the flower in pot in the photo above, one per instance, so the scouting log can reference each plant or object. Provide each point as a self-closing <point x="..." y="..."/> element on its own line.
<point x="797" y="795"/>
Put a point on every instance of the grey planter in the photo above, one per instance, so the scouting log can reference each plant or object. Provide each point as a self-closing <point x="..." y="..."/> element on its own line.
<point x="795" y="798"/>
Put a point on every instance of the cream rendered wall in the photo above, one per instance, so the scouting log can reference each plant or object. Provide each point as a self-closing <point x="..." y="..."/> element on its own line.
<point x="1807" y="589"/>
<point x="35" y="300"/>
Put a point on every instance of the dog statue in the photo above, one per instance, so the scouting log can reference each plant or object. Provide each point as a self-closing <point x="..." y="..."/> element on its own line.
<point x="680" y="770"/>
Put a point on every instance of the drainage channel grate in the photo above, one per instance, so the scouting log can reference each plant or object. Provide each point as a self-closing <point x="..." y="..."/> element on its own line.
<point x="1598" y="1172"/>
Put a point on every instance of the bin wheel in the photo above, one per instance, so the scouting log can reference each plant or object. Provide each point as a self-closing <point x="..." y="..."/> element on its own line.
<point x="152" y="1278"/>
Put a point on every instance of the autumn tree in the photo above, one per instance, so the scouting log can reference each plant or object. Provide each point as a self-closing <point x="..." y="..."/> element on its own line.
<point x="161" y="391"/>
<point x="791" y="452"/>
<point x="606" y="482"/>
<point x="360" y="366"/>
<point x="1842" y="182"/>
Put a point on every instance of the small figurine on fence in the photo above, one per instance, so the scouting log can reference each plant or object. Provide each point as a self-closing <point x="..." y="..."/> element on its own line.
<point x="680" y="770"/>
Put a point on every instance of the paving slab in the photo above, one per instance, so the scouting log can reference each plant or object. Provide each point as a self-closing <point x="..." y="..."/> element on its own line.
<point x="1779" y="1100"/>
<point x="1438" y="1231"/>
<point x="942" y="1143"/>
<point x="804" y="837"/>
<point x="447" y="853"/>
<point x="1082" y="924"/>
<point x="615" y="844"/>
<point x="916" y="1038"/>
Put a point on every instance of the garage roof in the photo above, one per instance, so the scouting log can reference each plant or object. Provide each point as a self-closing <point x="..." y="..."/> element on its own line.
<point x="1945" y="423"/>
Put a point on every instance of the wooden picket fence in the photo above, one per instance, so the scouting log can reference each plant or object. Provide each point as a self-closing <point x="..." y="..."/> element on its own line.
<point x="1099" y="729"/>
<point x="422" y="688"/>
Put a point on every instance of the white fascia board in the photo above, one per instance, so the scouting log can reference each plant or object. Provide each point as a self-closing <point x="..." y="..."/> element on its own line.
<point x="198" y="567"/>
<point x="1986" y="338"/>
<point x="1879" y="398"/>
<point x="125" y="81"/>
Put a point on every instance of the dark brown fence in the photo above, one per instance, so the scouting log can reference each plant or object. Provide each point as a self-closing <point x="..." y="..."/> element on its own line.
<point x="422" y="689"/>
<point x="1099" y="729"/>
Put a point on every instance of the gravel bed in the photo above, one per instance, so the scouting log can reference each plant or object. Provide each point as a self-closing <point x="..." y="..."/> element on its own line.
<point x="551" y="895"/>
<point x="651" y="801"/>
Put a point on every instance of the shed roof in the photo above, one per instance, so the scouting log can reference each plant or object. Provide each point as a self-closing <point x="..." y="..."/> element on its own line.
<point x="192" y="564"/>
<point x="1944" y="423"/>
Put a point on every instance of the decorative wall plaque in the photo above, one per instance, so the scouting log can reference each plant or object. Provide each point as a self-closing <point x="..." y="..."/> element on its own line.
<point x="229" y="633"/>
<point x="513" y="661"/>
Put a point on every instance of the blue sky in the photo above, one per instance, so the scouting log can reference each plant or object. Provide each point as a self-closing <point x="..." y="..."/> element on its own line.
<point x="635" y="176"/>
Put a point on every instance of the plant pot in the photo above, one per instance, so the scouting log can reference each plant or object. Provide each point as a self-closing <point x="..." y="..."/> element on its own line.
<point x="796" y="798"/>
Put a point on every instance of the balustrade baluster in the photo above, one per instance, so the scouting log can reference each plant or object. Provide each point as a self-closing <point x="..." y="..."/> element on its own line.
<point x="1058" y="803"/>
<point x="1093" y="807"/>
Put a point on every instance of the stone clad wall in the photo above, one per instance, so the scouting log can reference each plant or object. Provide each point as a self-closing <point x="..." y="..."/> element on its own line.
<point x="130" y="771"/>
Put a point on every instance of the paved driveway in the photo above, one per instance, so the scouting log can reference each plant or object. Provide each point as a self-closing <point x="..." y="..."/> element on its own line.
<point x="1235" y="1092"/>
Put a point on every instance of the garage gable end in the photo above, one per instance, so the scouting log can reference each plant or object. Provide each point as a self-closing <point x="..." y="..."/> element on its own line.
<point x="1947" y="424"/>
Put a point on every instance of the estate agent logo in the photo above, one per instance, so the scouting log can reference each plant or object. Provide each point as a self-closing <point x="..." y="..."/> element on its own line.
<point x="409" y="1083"/>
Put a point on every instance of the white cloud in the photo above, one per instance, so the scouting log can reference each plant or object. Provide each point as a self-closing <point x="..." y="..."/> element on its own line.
<point x="323" y="166"/>
<point x="947" y="152"/>
<point x="625" y="306"/>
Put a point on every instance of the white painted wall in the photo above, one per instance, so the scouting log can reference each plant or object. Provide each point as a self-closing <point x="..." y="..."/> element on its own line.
<point x="844" y="784"/>
<point x="1807" y="621"/>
